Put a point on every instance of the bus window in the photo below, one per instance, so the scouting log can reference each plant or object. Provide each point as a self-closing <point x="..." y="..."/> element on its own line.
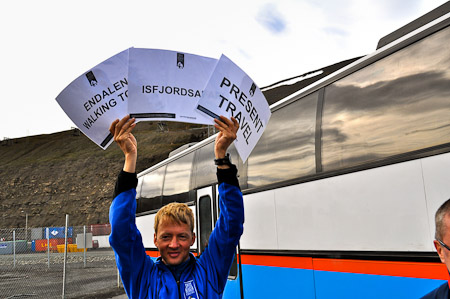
<point x="393" y="106"/>
<point x="177" y="179"/>
<point x="151" y="190"/>
<point x="286" y="149"/>
<point x="205" y="170"/>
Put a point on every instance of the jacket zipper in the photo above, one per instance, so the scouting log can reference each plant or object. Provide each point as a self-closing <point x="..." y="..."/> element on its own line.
<point x="179" y="291"/>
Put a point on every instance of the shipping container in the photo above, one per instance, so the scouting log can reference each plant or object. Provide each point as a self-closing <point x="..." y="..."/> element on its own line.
<point x="58" y="232"/>
<point x="100" y="229"/>
<point x="41" y="245"/>
<point x="7" y="247"/>
<point x="37" y="233"/>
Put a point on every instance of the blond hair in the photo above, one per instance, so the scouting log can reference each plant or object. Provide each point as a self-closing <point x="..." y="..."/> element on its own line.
<point x="177" y="212"/>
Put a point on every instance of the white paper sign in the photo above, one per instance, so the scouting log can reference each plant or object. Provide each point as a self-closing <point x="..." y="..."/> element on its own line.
<point x="98" y="97"/>
<point x="166" y="85"/>
<point x="231" y="92"/>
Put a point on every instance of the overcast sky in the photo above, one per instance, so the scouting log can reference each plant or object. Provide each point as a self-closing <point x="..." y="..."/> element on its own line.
<point x="48" y="43"/>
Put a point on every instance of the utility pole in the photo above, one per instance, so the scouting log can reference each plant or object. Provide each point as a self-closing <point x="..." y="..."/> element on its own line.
<point x="26" y="227"/>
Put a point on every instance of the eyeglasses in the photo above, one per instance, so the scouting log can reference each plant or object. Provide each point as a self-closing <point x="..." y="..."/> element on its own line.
<point x="443" y="244"/>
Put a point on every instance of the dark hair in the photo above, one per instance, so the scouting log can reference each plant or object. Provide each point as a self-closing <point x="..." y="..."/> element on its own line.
<point x="443" y="210"/>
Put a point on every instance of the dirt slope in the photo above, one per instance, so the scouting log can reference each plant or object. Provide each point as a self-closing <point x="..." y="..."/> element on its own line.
<point x="48" y="176"/>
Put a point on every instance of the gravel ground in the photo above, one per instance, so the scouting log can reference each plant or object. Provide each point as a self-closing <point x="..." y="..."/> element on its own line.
<point x="31" y="277"/>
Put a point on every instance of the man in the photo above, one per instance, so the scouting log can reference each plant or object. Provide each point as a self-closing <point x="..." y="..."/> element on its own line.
<point x="442" y="242"/>
<point x="177" y="273"/>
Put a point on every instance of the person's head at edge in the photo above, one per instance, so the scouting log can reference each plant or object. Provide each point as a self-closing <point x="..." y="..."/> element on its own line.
<point x="174" y="233"/>
<point x="442" y="220"/>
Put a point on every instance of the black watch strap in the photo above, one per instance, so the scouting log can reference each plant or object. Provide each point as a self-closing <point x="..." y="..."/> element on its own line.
<point x="223" y="161"/>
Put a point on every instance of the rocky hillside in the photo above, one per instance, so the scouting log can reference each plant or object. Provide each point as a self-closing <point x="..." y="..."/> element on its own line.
<point x="48" y="176"/>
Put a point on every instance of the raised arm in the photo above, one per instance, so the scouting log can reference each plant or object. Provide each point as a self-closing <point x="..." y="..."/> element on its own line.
<point x="218" y="256"/>
<point x="132" y="261"/>
<point x="121" y="130"/>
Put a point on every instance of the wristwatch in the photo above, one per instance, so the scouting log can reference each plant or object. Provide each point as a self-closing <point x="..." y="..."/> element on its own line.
<point x="223" y="161"/>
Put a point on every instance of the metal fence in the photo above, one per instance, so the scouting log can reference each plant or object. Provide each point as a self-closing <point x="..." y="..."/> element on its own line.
<point x="36" y="263"/>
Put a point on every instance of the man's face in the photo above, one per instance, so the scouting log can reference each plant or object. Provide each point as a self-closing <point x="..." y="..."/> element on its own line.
<point x="443" y="252"/>
<point x="174" y="241"/>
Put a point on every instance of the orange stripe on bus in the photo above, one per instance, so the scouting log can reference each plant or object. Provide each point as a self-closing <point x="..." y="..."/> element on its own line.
<point x="405" y="269"/>
<point x="152" y="253"/>
<point x="278" y="261"/>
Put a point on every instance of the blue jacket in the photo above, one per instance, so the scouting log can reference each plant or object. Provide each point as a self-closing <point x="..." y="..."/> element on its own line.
<point x="441" y="292"/>
<point x="204" y="277"/>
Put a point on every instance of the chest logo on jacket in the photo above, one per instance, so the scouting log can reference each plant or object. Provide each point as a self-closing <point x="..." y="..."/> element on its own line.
<point x="190" y="292"/>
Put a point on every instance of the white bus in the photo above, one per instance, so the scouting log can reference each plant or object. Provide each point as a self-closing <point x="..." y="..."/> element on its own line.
<point x="341" y="190"/>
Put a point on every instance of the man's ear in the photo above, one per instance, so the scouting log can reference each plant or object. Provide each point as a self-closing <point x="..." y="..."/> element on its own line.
<point x="155" y="240"/>
<point x="193" y="238"/>
<point x="439" y="250"/>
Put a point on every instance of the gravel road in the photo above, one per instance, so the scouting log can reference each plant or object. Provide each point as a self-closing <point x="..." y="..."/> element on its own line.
<point x="32" y="278"/>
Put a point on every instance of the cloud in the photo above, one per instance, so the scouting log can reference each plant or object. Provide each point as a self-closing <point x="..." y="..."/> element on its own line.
<point x="335" y="31"/>
<point x="271" y="19"/>
<point x="399" y="8"/>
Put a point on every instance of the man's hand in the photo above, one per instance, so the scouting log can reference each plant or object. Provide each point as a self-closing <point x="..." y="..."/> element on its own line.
<point x="227" y="134"/>
<point x="121" y="130"/>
